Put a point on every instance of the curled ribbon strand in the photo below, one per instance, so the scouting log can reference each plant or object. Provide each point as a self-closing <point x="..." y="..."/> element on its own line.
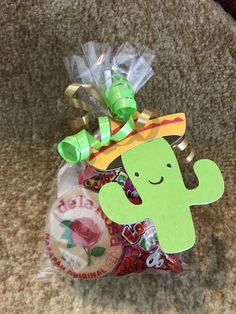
<point x="119" y="98"/>
<point x="77" y="147"/>
<point x="78" y="123"/>
<point x="181" y="146"/>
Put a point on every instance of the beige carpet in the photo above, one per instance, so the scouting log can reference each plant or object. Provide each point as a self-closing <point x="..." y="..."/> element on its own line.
<point x="195" y="43"/>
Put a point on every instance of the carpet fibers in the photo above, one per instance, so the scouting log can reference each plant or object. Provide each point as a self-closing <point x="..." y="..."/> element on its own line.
<point x="195" y="44"/>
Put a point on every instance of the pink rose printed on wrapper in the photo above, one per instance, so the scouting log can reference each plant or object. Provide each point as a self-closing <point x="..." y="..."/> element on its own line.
<point x="80" y="240"/>
<point x="85" y="233"/>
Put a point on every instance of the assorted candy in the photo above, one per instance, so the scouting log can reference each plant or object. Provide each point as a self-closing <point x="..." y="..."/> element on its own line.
<point x="83" y="243"/>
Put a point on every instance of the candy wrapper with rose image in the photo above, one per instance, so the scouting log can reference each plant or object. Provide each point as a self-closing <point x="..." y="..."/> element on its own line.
<point x="121" y="206"/>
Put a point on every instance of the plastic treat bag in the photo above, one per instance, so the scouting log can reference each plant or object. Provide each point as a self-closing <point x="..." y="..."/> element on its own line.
<point x="121" y="206"/>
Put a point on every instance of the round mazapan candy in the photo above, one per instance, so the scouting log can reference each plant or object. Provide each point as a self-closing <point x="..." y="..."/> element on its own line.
<point x="80" y="240"/>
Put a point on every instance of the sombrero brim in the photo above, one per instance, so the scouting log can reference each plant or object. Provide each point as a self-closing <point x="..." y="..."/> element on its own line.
<point x="174" y="124"/>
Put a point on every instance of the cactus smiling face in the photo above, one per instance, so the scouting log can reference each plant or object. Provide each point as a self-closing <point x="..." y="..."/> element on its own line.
<point x="155" y="173"/>
<point x="154" y="168"/>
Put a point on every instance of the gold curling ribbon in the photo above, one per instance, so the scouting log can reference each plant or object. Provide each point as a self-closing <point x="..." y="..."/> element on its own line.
<point x="78" y="123"/>
<point x="190" y="157"/>
<point x="181" y="146"/>
<point x="144" y="117"/>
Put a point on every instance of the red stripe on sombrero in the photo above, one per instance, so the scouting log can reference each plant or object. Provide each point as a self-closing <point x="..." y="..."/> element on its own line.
<point x="137" y="131"/>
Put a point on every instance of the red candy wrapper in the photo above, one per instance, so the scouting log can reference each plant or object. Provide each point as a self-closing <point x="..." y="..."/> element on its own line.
<point x="142" y="251"/>
<point x="93" y="179"/>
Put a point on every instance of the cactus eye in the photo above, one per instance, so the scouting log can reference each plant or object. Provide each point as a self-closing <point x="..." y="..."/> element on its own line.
<point x="136" y="174"/>
<point x="169" y="165"/>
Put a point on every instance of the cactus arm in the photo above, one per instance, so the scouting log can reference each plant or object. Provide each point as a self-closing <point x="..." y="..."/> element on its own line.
<point x="116" y="205"/>
<point x="211" y="183"/>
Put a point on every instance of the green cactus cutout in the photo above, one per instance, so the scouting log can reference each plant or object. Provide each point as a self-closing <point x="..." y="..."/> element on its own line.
<point x="155" y="173"/>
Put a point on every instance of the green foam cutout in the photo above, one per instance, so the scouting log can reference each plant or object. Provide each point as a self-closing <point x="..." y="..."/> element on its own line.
<point x="155" y="173"/>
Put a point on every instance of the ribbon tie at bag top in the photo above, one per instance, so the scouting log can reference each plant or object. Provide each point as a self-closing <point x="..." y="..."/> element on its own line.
<point x="118" y="95"/>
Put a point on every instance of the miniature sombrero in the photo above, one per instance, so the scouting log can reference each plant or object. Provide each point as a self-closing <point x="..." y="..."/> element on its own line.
<point x="100" y="154"/>
<point x="174" y="124"/>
